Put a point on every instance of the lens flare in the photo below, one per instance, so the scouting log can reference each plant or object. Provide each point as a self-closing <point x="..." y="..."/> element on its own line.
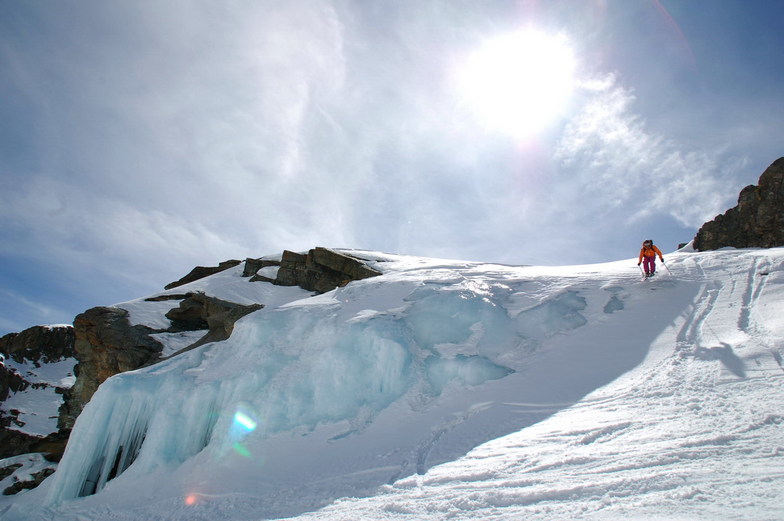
<point x="242" y="450"/>
<point x="245" y="421"/>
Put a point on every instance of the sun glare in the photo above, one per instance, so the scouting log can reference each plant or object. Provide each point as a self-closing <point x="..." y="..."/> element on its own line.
<point x="519" y="83"/>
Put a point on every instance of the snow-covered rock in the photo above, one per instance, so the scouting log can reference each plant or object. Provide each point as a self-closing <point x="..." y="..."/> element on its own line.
<point x="36" y="368"/>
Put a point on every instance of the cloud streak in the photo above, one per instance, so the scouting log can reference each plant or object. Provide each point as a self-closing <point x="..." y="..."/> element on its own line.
<point x="613" y="158"/>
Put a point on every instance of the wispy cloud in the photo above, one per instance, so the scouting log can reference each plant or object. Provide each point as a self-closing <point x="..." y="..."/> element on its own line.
<point x="39" y="307"/>
<point x="144" y="138"/>
<point x="613" y="158"/>
<point x="16" y="306"/>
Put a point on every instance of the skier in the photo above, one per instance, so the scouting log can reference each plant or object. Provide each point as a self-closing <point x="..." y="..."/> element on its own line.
<point x="648" y="254"/>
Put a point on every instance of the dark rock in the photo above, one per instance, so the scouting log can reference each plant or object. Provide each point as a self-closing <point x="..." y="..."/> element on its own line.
<point x="261" y="278"/>
<point x="251" y="267"/>
<point x="7" y="471"/>
<point x="756" y="222"/>
<point x="199" y="272"/>
<point x="164" y="298"/>
<point x="38" y="478"/>
<point x="254" y="265"/>
<point x="353" y="268"/>
<point x="199" y="311"/>
<point x="106" y="344"/>
<point x="191" y="314"/>
<point x="39" y="345"/>
<point x="10" y="382"/>
<point x="14" y="443"/>
<point x="292" y="269"/>
<point x="321" y="270"/>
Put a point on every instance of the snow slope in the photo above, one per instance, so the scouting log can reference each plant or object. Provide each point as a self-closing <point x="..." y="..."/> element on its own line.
<point x="450" y="390"/>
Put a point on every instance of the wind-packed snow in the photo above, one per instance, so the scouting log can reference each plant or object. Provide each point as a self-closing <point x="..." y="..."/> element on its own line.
<point x="451" y="390"/>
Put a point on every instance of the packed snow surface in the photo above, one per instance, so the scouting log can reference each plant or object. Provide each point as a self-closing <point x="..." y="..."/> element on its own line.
<point x="452" y="390"/>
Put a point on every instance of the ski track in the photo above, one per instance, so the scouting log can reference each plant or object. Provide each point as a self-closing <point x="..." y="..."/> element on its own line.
<point x="681" y="469"/>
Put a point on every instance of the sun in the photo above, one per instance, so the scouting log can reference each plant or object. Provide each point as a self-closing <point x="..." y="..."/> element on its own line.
<point x="518" y="83"/>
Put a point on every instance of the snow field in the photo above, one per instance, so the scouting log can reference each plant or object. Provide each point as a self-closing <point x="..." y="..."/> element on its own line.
<point x="694" y="432"/>
<point x="447" y="390"/>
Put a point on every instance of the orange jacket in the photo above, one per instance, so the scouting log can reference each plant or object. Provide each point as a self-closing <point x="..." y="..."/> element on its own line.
<point x="653" y="251"/>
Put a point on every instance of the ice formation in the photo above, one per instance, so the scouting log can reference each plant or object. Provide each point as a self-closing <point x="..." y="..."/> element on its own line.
<point x="338" y="359"/>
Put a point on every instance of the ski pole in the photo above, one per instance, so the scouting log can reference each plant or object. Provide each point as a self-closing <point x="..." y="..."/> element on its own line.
<point x="665" y="265"/>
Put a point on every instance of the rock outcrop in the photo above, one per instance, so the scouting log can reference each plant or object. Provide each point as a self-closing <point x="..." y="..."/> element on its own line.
<point x="106" y="344"/>
<point x="199" y="272"/>
<point x="198" y="311"/>
<point x="320" y="270"/>
<point x="252" y="266"/>
<point x="756" y="222"/>
<point x="10" y="382"/>
<point x="36" y="479"/>
<point x="36" y="346"/>
<point x="39" y="344"/>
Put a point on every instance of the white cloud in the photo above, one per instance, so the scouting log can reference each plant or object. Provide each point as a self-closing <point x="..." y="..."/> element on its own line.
<point x="169" y="134"/>
<point x="615" y="160"/>
<point x="182" y="127"/>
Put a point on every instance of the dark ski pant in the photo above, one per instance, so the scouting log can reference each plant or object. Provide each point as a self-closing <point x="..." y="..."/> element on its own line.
<point x="649" y="263"/>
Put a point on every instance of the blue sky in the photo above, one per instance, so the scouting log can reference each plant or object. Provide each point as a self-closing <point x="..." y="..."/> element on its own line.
<point x="140" y="139"/>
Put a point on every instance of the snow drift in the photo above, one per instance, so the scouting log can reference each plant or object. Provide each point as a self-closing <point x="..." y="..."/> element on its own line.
<point x="348" y="394"/>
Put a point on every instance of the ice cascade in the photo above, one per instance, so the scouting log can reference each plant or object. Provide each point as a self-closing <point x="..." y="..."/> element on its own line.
<point x="340" y="357"/>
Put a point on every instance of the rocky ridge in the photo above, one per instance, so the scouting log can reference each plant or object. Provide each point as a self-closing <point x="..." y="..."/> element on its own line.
<point x="34" y="348"/>
<point x="756" y="222"/>
<point x="199" y="272"/>
<point x="105" y="343"/>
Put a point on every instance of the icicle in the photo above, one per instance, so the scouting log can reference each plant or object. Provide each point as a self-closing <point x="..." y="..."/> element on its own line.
<point x="106" y="439"/>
